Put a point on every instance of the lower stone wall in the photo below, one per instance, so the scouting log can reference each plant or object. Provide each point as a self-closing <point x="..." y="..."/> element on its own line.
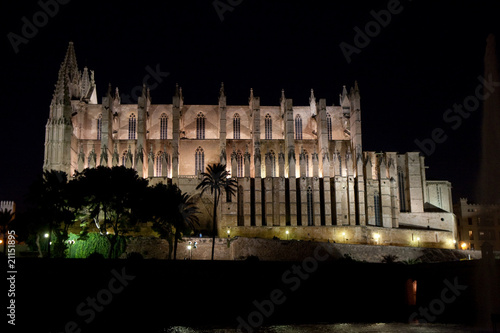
<point x="241" y="248"/>
<point x="370" y="235"/>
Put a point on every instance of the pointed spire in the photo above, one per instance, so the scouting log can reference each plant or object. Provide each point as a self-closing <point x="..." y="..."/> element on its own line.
<point x="282" y="99"/>
<point x="117" y="95"/>
<point x="250" y="99"/>
<point x="68" y="76"/>
<point x="221" y="91"/>
<point x="177" y="91"/>
<point x="312" y="103"/>
<point x="312" y="98"/>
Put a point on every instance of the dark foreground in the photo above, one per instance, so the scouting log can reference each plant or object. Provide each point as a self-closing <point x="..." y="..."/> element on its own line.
<point x="81" y="295"/>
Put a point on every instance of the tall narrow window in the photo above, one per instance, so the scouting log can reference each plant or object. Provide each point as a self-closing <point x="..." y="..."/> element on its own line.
<point x="240" y="207"/>
<point x="132" y="127"/>
<point x="402" y="193"/>
<point x="236" y="126"/>
<point x="309" y="206"/>
<point x="199" y="160"/>
<point x="307" y="162"/>
<point x="158" y="166"/>
<point x="298" y="127"/>
<point x="268" y="127"/>
<point x="329" y="126"/>
<point x="99" y="127"/>
<point x="200" y="126"/>
<point x="124" y="158"/>
<point x="163" y="126"/>
<point x="376" y="202"/>
<point x="239" y="160"/>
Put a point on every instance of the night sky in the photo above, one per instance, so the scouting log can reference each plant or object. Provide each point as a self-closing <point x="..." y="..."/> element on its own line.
<point x="421" y="63"/>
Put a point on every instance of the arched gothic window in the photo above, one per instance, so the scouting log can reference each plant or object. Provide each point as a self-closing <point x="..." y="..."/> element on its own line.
<point x="236" y="126"/>
<point x="309" y="207"/>
<point x="402" y="192"/>
<point x="200" y="126"/>
<point x="298" y="127"/>
<point x="239" y="160"/>
<point x="158" y="164"/>
<point x="124" y="158"/>
<point x="199" y="160"/>
<point x="268" y="124"/>
<point x="376" y="202"/>
<point x="132" y="127"/>
<point x="163" y="126"/>
<point x="329" y="126"/>
<point x="99" y="127"/>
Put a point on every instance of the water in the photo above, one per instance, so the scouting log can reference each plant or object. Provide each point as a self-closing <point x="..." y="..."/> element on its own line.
<point x="340" y="328"/>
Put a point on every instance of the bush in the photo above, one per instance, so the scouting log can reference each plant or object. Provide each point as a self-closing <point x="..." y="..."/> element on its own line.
<point x="93" y="242"/>
<point x="389" y="259"/>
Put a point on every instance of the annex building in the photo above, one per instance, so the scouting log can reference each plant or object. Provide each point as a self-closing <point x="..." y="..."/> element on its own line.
<point x="301" y="170"/>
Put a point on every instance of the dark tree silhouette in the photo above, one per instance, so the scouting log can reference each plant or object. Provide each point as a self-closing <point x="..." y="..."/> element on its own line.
<point x="51" y="197"/>
<point x="173" y="213"/>
<point x="110" y="197"/>
<point x="216" y="179"/>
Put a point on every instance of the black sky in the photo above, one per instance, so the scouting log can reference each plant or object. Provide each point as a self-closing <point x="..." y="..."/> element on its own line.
<point x="425" y="60"/>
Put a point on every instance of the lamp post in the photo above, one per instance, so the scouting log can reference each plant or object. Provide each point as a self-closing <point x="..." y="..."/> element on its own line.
<point x="343" y="234"/>
<point x="376" y="236"/>
<point x="286" y="232"/>
<point x="418" y="241"/>
<point x="189" y="247"/>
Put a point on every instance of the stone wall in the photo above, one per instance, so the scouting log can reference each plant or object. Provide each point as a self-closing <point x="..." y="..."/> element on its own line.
<point x="292" y="250"/>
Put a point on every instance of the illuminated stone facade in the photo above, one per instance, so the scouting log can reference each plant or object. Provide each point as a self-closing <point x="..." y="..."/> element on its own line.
<point x="299" y="169"/>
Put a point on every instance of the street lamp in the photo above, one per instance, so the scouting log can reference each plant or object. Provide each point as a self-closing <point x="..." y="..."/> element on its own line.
<point x="376" y="236"/>
<point x="46" y="235"/>
<point x="189" y="247"/>
<point x="464" y="246"/>
<point x="286" y="232"/>
<point x="228" y="232"/>
<point x="343" y="234"/>
<point x="418" y="241"/>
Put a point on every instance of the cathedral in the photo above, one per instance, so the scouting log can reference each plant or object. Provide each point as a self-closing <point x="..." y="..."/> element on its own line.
<point x="301" y="171"/>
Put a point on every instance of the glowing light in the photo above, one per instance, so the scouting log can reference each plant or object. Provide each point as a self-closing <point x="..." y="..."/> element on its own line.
<point x="418" y="239"/>
<point x="228" y="231"/>
<point x="189" y="247"/>
<point x="286" y="232"/>
<point x="46" y="235"/>
<point x="464" y="246"/>
<point x="1" y="241"/>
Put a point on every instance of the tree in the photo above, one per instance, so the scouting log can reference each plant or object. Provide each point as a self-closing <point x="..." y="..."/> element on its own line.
<point x="216" y="179"/>
<point x="110" y="199"/>
<point x="173" y="214"/>
<point x="6" y="216"/>
<point x="52" y="199"/>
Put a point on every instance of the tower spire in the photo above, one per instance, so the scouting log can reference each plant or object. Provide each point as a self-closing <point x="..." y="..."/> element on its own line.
<point x="68" y="82"/>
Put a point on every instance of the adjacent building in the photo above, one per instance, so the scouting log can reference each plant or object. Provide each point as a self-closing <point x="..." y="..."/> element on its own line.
<point x="301" y="171"/>
<point x="477" y="224"/>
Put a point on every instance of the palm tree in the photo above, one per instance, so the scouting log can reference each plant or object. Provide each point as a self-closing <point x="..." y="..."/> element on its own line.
<point x="217" y="180"/>
<point x="173" y="213"/>
<point x="185" y="217"/>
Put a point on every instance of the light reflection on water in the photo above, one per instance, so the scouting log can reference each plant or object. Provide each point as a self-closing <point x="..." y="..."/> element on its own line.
<point x="340" y="328"/>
